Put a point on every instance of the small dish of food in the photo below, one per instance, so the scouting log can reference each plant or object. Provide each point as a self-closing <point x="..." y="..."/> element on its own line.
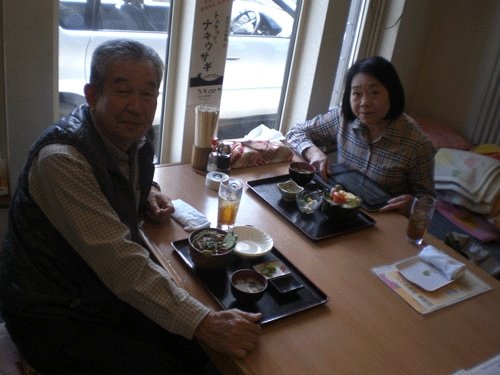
<point x="308" y="201"/>
<point x="252" y="242"/>
<point x="271" y="269"/>
<point x="289" y="189"/>
<point x="248" y="286"/>
<point x="339" y="204"/>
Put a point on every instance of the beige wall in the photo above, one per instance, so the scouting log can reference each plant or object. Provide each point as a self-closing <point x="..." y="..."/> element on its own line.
<point x="31" y="100"/>
<point x="446" y="52"/>
<point x="30" y="90"/>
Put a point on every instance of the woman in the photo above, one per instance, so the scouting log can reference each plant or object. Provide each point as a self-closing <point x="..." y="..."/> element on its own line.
<point x="372" y="134"/>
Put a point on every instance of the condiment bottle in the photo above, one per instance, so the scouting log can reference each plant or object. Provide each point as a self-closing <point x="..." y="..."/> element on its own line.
<point x="212" y="157"/>
<point x="224" y="158"/>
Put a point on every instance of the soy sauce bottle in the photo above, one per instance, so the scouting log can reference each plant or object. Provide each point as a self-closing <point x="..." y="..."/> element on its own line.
<point x="224" y="158"/>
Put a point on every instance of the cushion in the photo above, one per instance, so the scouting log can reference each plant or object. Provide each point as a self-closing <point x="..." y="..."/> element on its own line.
<point x="441" y="134"/>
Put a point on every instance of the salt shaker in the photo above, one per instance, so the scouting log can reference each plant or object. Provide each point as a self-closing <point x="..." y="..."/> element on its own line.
<point x="212" y="157"/>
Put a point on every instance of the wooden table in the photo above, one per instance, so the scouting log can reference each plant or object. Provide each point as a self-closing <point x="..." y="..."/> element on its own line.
<point x="365" y="328"/>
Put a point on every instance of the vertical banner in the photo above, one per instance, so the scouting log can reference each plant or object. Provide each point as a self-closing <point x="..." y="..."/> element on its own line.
<point x="210" y="38"/>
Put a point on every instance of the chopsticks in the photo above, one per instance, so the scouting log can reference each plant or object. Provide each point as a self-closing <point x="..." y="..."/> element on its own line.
<point x="206" y="118"/>
<point x="155" y="251"/>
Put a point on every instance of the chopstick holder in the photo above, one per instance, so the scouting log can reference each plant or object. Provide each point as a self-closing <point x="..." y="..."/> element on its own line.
<point x="188" y="216"/>
<point x="450" y="267"/>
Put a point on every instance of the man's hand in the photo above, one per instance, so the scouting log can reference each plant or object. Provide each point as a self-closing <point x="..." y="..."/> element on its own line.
<point x="319" y="159"/>
<point x="232" y="331"/>
<point x="401" y="203"/>
<point x="160" y="206"/>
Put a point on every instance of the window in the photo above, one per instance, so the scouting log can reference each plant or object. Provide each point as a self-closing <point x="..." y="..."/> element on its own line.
<point x="350" y="47"/>
<point x="260" y="39"/>
<point x="258" y="48"/>
<point x="260" y="42"/>
<point x="84" y="24"/>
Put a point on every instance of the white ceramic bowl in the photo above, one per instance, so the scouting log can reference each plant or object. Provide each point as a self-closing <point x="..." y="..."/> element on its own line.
<point x="289" y="189"/>
<point x="252" y="242"/>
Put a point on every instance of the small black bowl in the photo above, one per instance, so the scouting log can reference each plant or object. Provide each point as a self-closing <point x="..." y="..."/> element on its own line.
<point x="248" y="286"/>
<point x="301" y="172"/>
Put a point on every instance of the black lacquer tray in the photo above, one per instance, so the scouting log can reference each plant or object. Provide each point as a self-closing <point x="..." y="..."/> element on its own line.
<point x="372" y="195"/>
<point x="316" y="226"/>
<point x="273" y="305"/>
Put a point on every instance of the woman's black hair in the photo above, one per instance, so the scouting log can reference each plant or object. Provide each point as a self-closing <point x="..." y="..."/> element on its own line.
<point x="386" y="74"/>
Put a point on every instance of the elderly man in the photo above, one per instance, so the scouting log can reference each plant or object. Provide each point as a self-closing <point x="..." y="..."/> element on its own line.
<point x="79" y="292"/>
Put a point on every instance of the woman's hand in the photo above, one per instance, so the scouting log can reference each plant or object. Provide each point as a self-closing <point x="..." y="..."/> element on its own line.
<point x="401" y="203"/>
<point x="160" y="206"/>
<point x="233" y="332"/>
<point x="319" y="159"/>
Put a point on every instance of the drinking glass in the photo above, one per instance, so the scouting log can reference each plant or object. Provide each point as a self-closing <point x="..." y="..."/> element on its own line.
<point x="421" y="212"/>
<point x="229" y="201"/>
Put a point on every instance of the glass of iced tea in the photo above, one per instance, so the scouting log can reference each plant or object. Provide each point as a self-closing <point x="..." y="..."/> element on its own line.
<point x="421" y="212"/>
<point x="229" y="201"/>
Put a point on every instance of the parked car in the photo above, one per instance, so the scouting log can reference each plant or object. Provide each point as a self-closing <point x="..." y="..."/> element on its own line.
<point x="259" y="39"/>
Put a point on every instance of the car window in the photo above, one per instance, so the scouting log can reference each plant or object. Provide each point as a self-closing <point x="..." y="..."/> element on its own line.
<point x="130" y="15"/>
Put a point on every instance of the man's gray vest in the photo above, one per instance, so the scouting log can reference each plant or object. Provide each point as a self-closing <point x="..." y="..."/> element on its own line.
<point x="40" y="273"/>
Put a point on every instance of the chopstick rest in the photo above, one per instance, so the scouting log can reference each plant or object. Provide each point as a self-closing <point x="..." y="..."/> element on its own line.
<point x="450" y="267"/>
<point x="188" y="216"/>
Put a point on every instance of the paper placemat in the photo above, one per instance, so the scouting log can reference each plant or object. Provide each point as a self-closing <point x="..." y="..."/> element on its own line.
<point x="469" y="285"/>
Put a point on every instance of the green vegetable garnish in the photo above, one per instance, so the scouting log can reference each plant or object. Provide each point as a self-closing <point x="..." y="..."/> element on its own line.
<point x="211" y="242"/>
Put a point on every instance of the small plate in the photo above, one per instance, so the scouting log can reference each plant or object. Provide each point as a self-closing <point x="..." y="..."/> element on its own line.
<point x="272" y="269"/>
<point x="286" y="284"/>
<point x="423" y="274"/>
<point x="252" y="242"/>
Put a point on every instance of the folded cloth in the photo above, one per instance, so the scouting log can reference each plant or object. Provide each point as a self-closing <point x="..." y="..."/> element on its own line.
<point x="450" y="267"/>
<point x="188" y="216"/>
<point x="450" y="196"/>
<point x="256" y="153"/>
<point x="473" y="175"/>
<point x="263" y="133"/>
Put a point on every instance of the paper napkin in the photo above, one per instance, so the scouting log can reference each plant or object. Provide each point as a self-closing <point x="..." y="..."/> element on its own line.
<point x="188" y="216"/>
<point x="450" y="267"/>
